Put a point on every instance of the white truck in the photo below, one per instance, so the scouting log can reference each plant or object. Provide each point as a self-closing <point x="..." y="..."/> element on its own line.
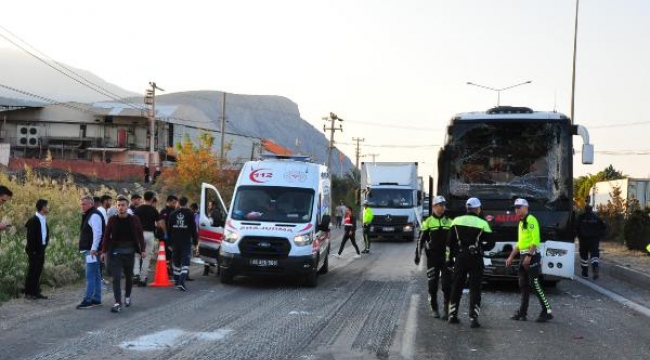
<point x="278" y="222"/>
<point x="393" y="191"/>
<point x="631" y="190"/>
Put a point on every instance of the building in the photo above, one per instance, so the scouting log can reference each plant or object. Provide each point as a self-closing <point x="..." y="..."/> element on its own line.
<point x="109" y="139"/>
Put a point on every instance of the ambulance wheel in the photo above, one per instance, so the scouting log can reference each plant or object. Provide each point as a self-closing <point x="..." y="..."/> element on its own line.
<point x="326" y="263"/>
<point x="311" y="280"/>
<point x="226" y="276"/>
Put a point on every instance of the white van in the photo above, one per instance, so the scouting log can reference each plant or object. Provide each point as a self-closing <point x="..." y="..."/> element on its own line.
<point x="278" y="222"/>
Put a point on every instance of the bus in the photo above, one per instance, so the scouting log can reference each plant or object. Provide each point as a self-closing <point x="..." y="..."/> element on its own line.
<point x="506" y="153"/>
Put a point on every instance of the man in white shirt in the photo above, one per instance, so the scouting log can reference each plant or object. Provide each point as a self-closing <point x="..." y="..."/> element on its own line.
<point x="38" y="236"/>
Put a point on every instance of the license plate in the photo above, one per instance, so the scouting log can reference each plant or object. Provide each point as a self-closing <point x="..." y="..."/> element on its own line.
<point x="389" y="229"/>
<point x="263" y="262"/>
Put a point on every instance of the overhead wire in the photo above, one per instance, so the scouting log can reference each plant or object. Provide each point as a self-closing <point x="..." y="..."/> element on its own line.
<point x="80" y="79"/>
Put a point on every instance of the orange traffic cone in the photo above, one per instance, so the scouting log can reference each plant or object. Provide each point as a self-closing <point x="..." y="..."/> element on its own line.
<point x="162" y="278"/>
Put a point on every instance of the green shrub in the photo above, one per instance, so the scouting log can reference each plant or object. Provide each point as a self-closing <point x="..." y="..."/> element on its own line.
<point x="63" y="264"/>
<point x="637" y="230"/>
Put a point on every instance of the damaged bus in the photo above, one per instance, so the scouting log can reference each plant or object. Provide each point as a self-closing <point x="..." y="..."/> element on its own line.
<point x="514" y="152"/>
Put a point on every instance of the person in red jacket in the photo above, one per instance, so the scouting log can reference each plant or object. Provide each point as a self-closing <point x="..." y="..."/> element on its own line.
<point x="349" y="228"/>
<point x="122" y="239"/>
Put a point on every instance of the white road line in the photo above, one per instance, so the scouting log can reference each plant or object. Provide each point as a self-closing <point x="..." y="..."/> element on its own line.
<point x="410" y="329"/>
<point x="616" y="297"/>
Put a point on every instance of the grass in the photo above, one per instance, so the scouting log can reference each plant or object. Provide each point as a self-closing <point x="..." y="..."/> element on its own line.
<point x="63" y="264"/>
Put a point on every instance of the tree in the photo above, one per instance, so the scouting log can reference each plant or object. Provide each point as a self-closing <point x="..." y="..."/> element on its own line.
<point x="195" y="164"/>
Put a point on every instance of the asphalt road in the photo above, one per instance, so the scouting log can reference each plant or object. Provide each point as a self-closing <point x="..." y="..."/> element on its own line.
<point x="369" y="308"/>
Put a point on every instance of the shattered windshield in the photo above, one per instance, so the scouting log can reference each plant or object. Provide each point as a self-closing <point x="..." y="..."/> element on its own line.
<point x="504" y="160"/>
<point x="273" y="203"/>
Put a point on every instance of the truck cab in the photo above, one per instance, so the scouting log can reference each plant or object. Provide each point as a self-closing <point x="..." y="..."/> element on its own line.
<point x="394" y="193"/>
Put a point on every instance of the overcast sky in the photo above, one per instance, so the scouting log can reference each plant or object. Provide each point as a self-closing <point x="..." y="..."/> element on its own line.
<point x="395" y="71"/>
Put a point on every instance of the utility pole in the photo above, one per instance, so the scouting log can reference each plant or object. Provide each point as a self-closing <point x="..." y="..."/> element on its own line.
<point x="332" y="129"/>
<point x="357" y="152"/>
<point x="150" y="99"/>
<point x="573" y="73"/>
<point x="223" y="130"/>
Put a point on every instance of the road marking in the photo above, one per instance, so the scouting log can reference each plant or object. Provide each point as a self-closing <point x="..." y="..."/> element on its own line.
<point x="616" y="297"/>
<point x="410" y="329"/>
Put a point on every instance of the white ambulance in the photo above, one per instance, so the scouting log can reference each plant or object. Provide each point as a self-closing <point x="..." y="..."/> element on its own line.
<point x="278" y="222"/>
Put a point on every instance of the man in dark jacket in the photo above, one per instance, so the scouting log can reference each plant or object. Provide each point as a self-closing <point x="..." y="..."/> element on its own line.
<point x="182" y="234"/>
<point x="589" y="228"/>
<point x="433" y="239"/>
<point x="5" y="195"/>
<point x="468" y="237"/>
<point x="38" y="236"/>
<point x="92" y="229"/>
<point x="122" y="240"/>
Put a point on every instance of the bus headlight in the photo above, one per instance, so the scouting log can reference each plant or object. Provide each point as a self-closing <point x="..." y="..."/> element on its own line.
<point x="231" y="236"/>
<point x="408" y="228"/>
<point x="304" y="239"/>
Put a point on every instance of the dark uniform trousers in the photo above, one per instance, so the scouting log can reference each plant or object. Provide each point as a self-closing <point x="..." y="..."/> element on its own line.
<point x="437" y="272"/>
<point x="472" y="265"/>
<point x="530" y="278"/>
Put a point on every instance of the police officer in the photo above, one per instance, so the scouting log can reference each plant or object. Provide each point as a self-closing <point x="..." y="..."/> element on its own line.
<point x="182" y="234"/>
<point x="529" y="266"/>
<point x="589" y="228"/>
<point x="367" y="220"/>
<point x="468" y="237"/>
<point x="433" y="238"/>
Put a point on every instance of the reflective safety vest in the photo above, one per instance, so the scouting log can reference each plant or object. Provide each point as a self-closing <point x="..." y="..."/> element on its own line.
<point x="528" y="234"/>
<point x="367" y="215"/>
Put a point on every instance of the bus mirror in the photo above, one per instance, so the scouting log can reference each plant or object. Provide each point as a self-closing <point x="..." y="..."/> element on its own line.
<point x="587" y="154"/>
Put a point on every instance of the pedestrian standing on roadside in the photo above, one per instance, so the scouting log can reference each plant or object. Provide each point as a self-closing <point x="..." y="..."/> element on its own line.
<point x="349" y="230"/>
<point x="5" y="195"/>
<point x="340" y="212"/>
<point x="368" y="215"/>
<point x="92" y="230"/>
<point x="182" y="235"/>
<point x="170" y="206"/>
<point x="106" y="201"/>
<point x="149" y="219"/>
<point x="433" y="239"/>
<point x="589" y="228"/>
<point x="38" y="236"/>
<point x="122" y="240"/>
<point x="102" y="204"/>
<point x="136" y="200"/>
<point x="530" y="263"/>
<point x="468" y="237"/>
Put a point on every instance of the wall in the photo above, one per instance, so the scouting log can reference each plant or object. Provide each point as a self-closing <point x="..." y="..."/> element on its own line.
<point x="111" y="171"/>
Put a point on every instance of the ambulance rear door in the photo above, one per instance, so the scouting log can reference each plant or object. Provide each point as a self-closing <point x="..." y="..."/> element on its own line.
<point x="211" y="223"/>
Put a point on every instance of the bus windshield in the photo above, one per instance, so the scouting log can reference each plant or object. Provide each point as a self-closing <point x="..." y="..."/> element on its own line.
<point x="273" y="204"/>
<point x="504" y="160"/>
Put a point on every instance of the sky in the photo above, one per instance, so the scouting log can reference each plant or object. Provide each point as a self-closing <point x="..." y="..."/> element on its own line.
<point x="394" y="71"/>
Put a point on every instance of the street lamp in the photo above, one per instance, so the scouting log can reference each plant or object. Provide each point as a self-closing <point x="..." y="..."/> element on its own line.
<point x="499" y="90"/>
<point x="573" y="72"/>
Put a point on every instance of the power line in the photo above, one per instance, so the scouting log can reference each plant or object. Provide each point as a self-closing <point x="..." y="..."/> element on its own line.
<point x="619" y="125"/>
<point x="85" y="82"/>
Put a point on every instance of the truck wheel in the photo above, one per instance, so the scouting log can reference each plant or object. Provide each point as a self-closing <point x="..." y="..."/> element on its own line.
<point x="226" y="276"/>
<point x="325" y="268"/>
<point x="311" y="280"/>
